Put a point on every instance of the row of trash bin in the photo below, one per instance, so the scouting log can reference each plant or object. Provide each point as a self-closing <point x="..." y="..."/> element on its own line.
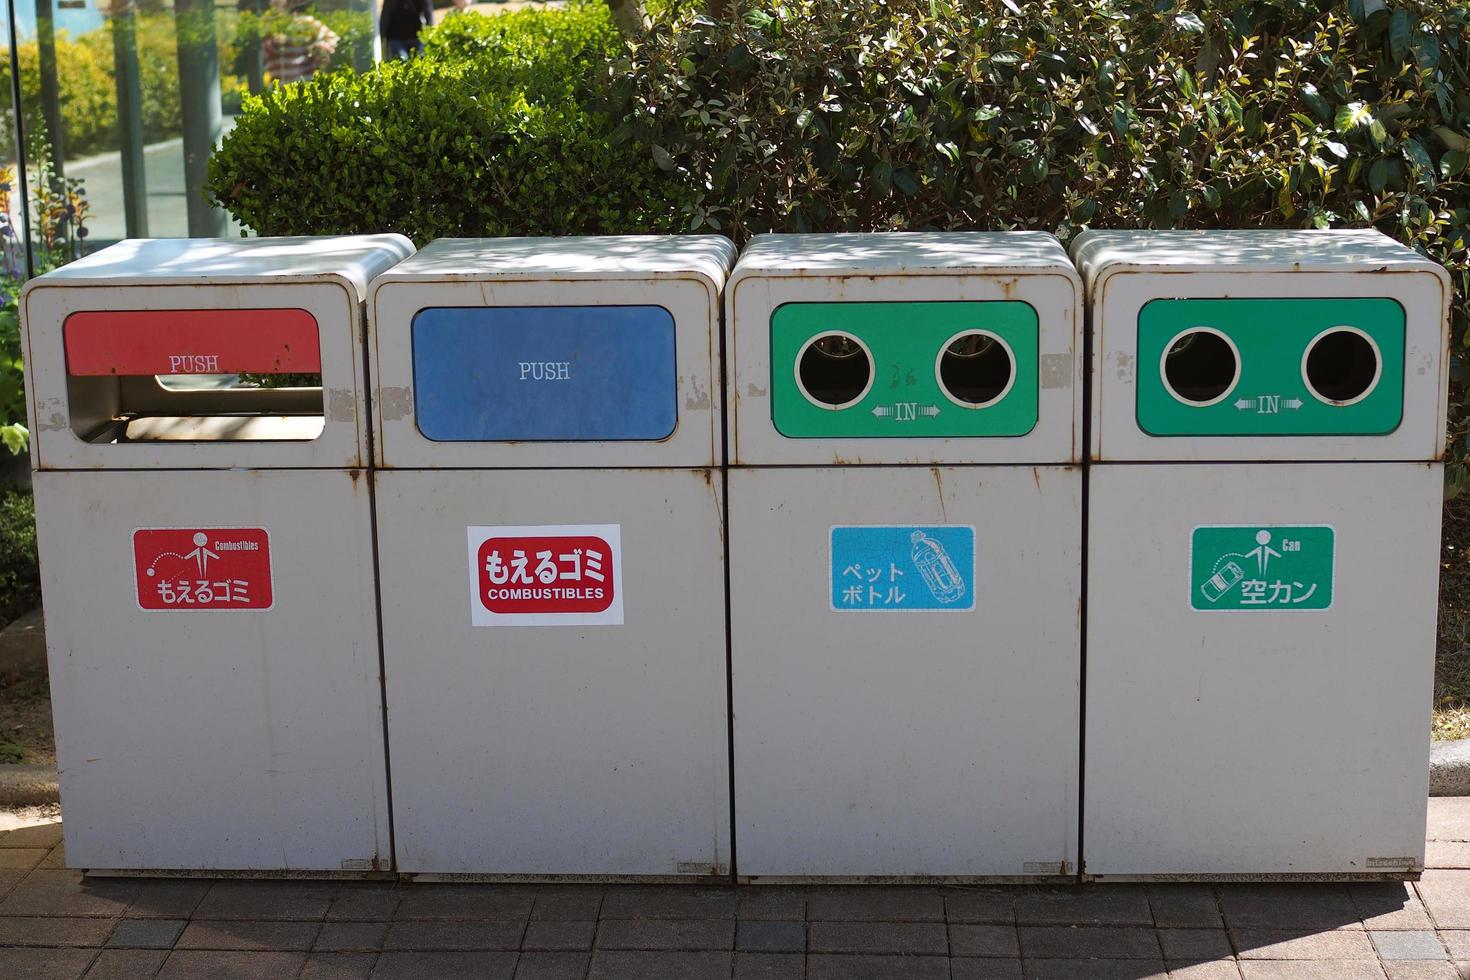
<point x="606" y="556"/>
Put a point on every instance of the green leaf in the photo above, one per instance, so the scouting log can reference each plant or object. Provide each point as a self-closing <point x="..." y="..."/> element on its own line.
<point x="1336" y="149"/>
<point x="883" y="177"/>
<point x="1254" y="126"/>
<point x="1415" y="154"/>
<point x="1319" y="106"/>
<point x="1283" y="199"/>
<point x="1352" y="116"/>
<point x="1426" y="51"/>
<point x="1378" y="176"/>
<point x="1452" y="164"/>
<point x="1451" y="139"/>
<point x="661" y="157"/>
<point x="16" y="437"/>
<point x="1400" y="33"/>
<point x="904" y="180"/>
<point x="1189" y="22"/>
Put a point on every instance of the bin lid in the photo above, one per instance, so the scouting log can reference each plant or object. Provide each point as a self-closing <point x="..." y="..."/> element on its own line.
<point x="355" y="259"/>
<point x="903" y="253"/>
<point x="577" y="257"/>
<point x="1100" y="253"/>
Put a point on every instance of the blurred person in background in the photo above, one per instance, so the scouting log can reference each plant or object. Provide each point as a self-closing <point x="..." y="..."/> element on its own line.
<point x="299" y="46"/>
<point x="400" y="23"/>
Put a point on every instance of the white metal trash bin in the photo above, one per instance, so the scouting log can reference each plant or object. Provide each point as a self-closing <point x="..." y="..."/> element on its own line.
<point x="206" y="554"/>
<point x="550" y="529"/>
<point x="905" y="570"/>
<point x="1269" y="420"/>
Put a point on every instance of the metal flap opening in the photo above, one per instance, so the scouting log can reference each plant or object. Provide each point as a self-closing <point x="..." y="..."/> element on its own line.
<point x="194" y="375"/>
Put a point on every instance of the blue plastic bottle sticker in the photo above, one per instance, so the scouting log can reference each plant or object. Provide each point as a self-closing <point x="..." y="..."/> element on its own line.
<point x="901" y="567"/>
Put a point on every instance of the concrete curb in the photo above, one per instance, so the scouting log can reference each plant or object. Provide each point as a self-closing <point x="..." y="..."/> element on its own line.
<point x="1449" y="767"/>
<point x="26" y="785"/>
<point x="23" y="643"/>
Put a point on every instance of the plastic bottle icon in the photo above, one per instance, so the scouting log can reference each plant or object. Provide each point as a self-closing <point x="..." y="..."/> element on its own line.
<point x="936" y="568"/>
<point x="1222" y="581"/>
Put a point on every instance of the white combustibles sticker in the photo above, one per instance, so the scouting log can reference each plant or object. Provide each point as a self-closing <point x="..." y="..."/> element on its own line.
<point x="546" y="575"/>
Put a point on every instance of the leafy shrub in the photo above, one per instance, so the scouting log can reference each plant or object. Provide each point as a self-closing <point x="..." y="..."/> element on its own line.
<point x="907" y="114"/>
<point x="530" y="46"/>
<point x="497" y="142"/>
<point x="1069" y="114"/>
<point x="20" y="574"/>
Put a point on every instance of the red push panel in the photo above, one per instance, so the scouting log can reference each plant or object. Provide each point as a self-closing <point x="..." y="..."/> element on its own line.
<point x="132" y="342"/>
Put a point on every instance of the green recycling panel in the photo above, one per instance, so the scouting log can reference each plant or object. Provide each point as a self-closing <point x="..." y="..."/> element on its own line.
<point x="1298" y="367"/>
<point x="904" y="370"/>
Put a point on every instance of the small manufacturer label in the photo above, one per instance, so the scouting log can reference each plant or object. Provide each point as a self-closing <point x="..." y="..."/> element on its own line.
<point x="897" y="567"/>
<point x="202" y="569"/>
<point x="1242" y="567"/>
<point x="1393" y="862"/>
<point x="552" y="575"/>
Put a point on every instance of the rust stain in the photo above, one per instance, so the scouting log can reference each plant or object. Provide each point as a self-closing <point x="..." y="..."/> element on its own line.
<point x="939" y="487"/>
<point x="1036" y="476"/>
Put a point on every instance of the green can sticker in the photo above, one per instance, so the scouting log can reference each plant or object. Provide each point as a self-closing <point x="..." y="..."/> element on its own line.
<point x="1270" y="367"/>
<point x="904" y="370"/>
<point x="1243" y="567"/>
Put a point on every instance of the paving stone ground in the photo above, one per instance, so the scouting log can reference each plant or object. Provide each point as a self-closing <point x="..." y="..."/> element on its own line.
<point x="57" y="925"/>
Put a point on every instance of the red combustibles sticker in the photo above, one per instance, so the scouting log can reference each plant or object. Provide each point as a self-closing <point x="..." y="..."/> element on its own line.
<point x="202" y="569"/>
<point x="555" y="575"/>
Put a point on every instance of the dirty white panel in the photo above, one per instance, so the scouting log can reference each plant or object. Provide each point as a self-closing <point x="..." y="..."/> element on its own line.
<point x="236" y="739"/>
<point x="1277" y="740"/>
<point x="557" y="749"/>
<point x="683" y="274"/>
<point x="1124" y="271"/>
<point x="927" y="742"/>
<point x="326" y="277"/>
<point x="1029" y="267"/>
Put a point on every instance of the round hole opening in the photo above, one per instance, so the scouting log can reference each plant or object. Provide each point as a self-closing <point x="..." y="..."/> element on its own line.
<point x="835" y="370"/>
<point x="1341" y="366"/>
<point x="1201" y="367"/>
<point x="976" y="369"/>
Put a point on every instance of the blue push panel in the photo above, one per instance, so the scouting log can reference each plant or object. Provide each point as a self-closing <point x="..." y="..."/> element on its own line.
<point x="544" y="373"/>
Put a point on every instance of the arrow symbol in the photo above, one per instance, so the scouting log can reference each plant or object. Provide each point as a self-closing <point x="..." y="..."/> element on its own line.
<point x="1244" y="403"/>
<point x="1293" y="403"/>
<point x="882" y="411"/>
<point x="929" y="411"/>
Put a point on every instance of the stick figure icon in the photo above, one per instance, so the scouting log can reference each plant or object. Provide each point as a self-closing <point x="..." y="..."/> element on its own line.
<point x="201" y="554"/>
<point x="1263" y="552"/>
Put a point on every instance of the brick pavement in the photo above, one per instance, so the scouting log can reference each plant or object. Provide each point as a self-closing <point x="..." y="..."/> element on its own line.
<point x="54" y="924"/>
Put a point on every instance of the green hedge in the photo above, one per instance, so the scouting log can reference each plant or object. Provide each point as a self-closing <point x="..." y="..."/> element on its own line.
<point x="20" y="572"/>
<point x="897" y="114"/>
<point x="479" y="137"/>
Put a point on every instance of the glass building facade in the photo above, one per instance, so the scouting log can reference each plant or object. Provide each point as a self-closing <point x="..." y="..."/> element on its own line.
<point x="121" y="102"/>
